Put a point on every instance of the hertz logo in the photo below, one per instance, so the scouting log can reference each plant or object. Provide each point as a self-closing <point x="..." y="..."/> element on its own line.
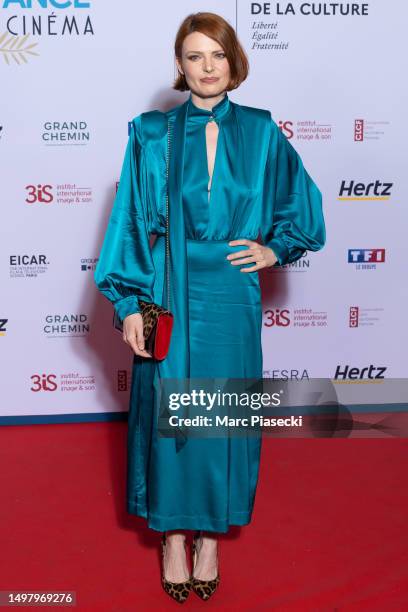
<point x="362" y="191"/>
<point x="346" y="373"/>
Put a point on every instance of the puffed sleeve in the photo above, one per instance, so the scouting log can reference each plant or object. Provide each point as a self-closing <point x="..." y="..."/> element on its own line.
<point x="125" y="269"/>
<point x="292" y="214"/>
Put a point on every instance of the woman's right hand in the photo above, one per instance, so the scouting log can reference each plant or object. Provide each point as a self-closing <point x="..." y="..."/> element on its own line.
<point x="133" y="334"/>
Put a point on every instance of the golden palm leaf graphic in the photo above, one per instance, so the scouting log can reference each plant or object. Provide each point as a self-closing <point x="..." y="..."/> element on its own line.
<point x="13" y="48"/>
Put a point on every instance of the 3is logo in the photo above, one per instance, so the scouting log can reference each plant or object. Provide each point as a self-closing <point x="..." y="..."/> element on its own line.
<point x="39" y="194"/>
<point x="277" y="318"/>
<point x="286" y="128"/>
<point x="43" y="382"/>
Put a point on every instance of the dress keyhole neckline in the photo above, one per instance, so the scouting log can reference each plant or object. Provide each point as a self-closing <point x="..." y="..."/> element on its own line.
<point x="210" y="178"/>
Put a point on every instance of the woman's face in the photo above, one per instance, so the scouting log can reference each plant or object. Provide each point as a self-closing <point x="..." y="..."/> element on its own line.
<point x="204" y="65"/>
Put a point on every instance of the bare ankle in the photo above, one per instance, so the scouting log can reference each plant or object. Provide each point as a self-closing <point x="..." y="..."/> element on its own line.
<point x="175" y="537"/>
<point x="208" y="542"/>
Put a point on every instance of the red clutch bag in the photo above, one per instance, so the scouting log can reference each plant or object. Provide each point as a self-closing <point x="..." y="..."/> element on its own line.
<point x="157" y="328"/>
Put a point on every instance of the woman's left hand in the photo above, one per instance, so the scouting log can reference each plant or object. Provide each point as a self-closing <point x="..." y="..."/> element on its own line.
<point x="263" y="256"/>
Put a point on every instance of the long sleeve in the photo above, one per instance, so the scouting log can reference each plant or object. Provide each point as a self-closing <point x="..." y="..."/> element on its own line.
<point x="292" y="218"/>
<point x="125" y="270"/>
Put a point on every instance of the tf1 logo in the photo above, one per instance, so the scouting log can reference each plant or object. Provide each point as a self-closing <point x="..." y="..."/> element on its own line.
<point x="39" y="193"/>
<point x="43" y="382"/>
<point x="366" y="255"/>
<point x="277" y="317"/>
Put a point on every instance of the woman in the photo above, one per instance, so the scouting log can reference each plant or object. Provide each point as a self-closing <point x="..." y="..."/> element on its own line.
<point x="232" y="176"/>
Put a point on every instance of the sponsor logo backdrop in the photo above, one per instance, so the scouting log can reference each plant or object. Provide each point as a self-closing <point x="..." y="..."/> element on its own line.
<point x="74" y="73"/>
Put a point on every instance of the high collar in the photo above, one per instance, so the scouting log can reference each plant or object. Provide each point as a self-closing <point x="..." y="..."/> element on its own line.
<point x="202" y="115"/>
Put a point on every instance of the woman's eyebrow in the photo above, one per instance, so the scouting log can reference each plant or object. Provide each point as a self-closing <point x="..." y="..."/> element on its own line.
<point x="217" y="51"/>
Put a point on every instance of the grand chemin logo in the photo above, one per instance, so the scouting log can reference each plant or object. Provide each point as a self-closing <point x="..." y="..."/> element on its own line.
<point x="20" y="18"/>
<point x="375" y="190"/>
<point x="68" y="325"/>
<point x="65" y="133"/>
<point x="300" y="265"/>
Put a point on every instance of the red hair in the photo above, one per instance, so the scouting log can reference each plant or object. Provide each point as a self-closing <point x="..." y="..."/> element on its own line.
<point x="217" y="28"/>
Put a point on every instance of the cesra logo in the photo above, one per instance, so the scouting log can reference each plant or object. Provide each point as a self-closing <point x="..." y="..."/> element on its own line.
<point x="277" y="318"/>
<point x="39" y="193"/>
<point x="362" y="191"/>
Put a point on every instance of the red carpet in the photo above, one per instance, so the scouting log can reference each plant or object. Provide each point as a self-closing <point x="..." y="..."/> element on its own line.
<point x="328" y="532"/>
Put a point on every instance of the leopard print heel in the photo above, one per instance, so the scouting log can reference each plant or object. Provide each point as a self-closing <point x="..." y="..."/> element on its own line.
<point x="177" y="590"/>
<point x="203" y="588"/>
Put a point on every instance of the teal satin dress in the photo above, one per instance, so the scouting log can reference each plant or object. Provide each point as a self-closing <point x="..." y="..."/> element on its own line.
<point x="259" y="187"/>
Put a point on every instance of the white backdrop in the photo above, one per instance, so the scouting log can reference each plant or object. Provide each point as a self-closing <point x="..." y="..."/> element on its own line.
<point x="72" y="78"/>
